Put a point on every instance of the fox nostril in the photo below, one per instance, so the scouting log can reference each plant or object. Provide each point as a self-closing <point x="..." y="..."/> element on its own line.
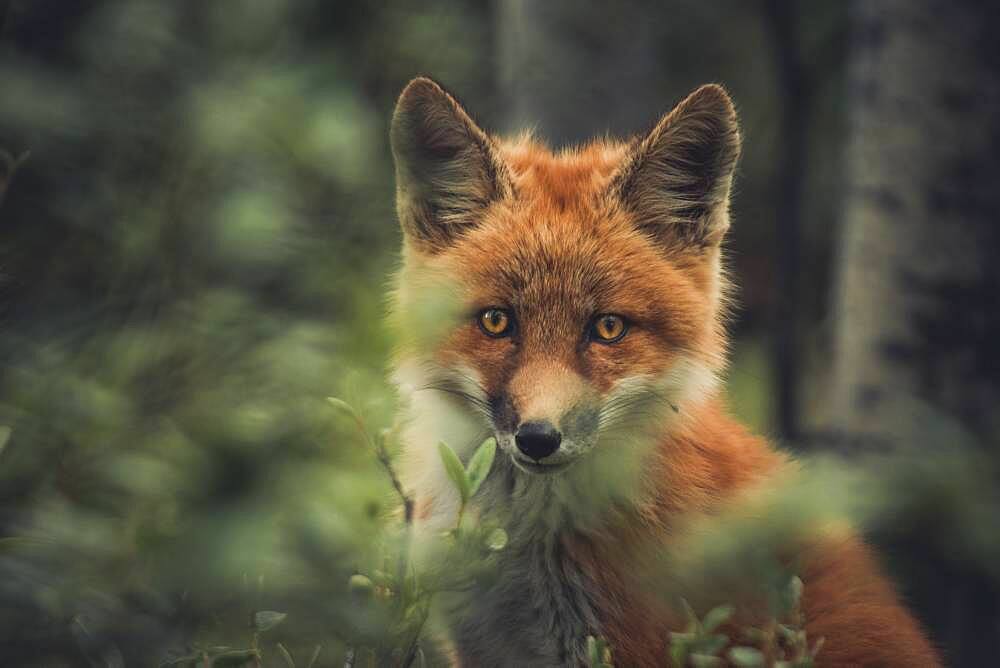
<point x="537" y="440"/>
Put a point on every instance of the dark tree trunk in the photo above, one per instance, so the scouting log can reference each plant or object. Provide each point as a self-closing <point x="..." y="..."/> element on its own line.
<point x="918" y="291"/>
<point x="796" y="99"/>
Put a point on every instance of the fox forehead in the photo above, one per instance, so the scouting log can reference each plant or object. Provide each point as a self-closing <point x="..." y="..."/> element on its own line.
<point x="570" y="179"/>
<point x="632" y="228"/>
<point x="557" y="253"/>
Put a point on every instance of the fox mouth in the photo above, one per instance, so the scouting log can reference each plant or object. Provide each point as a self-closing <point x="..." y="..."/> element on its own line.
<point x="539" y="468"/>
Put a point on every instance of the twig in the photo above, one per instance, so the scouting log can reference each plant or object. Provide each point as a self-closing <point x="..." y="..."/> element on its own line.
<point x="377" y="444"/>
<point x="383" y="457"/>
<point x="414" y="647"/>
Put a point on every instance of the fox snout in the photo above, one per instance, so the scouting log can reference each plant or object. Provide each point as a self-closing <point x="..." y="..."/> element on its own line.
<point x="551" y="404"/>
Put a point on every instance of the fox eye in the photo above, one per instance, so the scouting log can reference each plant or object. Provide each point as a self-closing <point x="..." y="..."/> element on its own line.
<point x="495" y="322"/>
<point x="608" y="328"/>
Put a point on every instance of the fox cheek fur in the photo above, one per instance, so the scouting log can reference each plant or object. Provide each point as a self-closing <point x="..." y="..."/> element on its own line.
<point x="552" y="241"/>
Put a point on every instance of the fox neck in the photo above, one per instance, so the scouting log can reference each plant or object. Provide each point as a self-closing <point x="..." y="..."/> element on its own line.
<point x="540" y="608"/>
<point x="546" y="597"/>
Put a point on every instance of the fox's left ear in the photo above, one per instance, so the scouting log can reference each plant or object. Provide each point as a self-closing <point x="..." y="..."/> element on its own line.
<point x="447" y="170"/>
<point x="676" y="179"/>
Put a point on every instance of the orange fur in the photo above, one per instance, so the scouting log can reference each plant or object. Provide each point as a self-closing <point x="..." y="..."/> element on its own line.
<point x="847" y="601"/>
<point x="631" y="228"/>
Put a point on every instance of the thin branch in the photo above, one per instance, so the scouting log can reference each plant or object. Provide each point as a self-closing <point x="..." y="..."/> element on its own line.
<point x="414" y="647"/>
<point x="377" y="444"/>
<point x="383" y="456"/>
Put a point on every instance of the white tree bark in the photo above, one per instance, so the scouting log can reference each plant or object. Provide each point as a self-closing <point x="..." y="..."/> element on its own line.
<point x="917" y="366"/>
<point x="916" y="303"/>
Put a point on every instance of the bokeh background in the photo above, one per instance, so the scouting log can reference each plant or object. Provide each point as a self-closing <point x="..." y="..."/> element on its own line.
<point x="197" y="229"/>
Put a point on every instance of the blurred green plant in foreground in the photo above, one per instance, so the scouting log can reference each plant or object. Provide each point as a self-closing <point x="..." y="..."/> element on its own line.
<point x="404" y="593"/>
<point x="193" y="259"/>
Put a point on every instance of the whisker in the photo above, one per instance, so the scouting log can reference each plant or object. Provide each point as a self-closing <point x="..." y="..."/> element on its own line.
<point x="455" y="382"/>
<point x="642" y="402"/>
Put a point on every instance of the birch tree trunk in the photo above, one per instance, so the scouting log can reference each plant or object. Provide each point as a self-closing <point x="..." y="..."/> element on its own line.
<point x="917" y="366"/>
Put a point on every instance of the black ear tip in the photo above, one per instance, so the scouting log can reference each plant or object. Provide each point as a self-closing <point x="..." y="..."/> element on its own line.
<point x="428" y="122"/>
<point x="711" y="99"/>
<point x="420" y="89"/>
<point x="418" y="95"/>
<point x="416" y="102"/>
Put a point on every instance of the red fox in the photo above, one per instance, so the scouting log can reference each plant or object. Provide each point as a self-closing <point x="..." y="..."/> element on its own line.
<point x="571" y="304"/>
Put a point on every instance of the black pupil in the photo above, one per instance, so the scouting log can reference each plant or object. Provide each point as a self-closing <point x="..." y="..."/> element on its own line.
<point x="495" y="317"/>
<point x="609" y="325"/>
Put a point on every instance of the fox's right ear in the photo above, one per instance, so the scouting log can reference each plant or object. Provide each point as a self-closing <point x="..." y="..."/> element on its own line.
<point x="676" y="180"/>
<point x="447" y="171"/>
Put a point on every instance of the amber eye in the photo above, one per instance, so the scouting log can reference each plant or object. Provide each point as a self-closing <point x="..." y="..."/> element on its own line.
<point x="608" y="328"/>
<point x="495" y="322"/>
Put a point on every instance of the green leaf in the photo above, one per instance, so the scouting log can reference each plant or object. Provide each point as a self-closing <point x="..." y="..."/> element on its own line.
<point x="480" y="464"/>
<point x="746" y="657"/>
<point x="598" y="653"/>
<point x="265" y="620"/>
<point x="342" y="405"/>
<point x="497" y="540"/>
<point x="682" y="638"/>
<point x="360" y="585"/>
<point x="678" y="652"/>
<point x="592" y="651"/>
<point x="793" y="595"/>
<point x="289" y="661"/>
<point x="5" y="433"/>
<point x="453" y="467"/>
<point x="693" y="624"/>
<point x="716" y="617"/>
<point x="705" y="661"/>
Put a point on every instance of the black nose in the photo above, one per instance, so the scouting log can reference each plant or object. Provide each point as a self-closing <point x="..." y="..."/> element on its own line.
<point x="538" y="440"/>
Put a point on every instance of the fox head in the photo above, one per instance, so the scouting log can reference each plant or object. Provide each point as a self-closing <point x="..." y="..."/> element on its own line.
<point x="555" y="299"/>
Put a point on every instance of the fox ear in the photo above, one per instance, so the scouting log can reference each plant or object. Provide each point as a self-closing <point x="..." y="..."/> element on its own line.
<point x="676" y="179"/>
<point x="447" y="170"/>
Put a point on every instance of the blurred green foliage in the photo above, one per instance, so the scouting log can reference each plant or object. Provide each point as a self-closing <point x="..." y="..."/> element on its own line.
<point x="195" y="255"/>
